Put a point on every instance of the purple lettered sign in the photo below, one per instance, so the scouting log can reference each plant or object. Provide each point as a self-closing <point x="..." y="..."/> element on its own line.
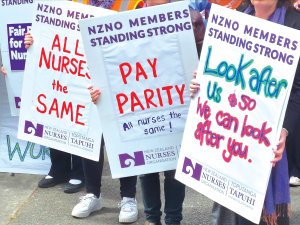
<point x="16" y="47"/>
<point x="127" y="160"/>
<point x="190" y="168"/>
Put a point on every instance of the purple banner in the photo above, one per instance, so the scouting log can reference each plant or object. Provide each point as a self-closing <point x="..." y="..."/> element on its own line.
<point x="17" y="50"/>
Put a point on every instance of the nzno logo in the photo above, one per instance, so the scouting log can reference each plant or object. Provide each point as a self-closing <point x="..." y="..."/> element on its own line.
<point x="127" y="160"/>
<point x="193" y="170"/>
<point x="35" y="130"/>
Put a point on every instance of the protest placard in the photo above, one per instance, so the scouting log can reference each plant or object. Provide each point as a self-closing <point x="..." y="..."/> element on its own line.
<point x="143" y="60"/>
<point x="18" y="156"/>
<point x="246" y="72"/>
<point x="16" y="17"/>
<point x="57" y="110"/>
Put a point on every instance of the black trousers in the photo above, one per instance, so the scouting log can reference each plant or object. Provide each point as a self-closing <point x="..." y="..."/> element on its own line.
<point x="65" y="166"/>
<point x="292" y="123"/>
<point x="93" y="176"/>
<point x="293" y="153"/>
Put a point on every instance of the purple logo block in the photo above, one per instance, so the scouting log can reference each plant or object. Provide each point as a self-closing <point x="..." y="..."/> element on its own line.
<point x="16" y="47"/>
<point x="17" y="102"/>
<point x="127" y="160"/>
<point x="31" y="129"/>
<point x="190" y="168"/>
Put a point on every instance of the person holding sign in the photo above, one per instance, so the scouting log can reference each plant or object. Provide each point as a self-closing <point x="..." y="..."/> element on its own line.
<point x="277" y="198"/>
<point x="281" y="12"/>
<point x="92" y="201"/>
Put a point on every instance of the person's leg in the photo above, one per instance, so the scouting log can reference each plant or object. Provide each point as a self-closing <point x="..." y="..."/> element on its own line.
<point x="150" y="185"/>
<point x="174" y="196"/>
<point x="59" y="171"/>
<point x="243" y="221"/>
<point x="92" y="175"/>
<point x="222" y="215"/>
<point x="128" y="211"/>
<point x="293" y="154"/>
<point x="60" y="164"/>
<point x="292" y="141"/>
<point x="77" y="168"/>
<point x="128" y="186"/>
<point x="76" y="181"/>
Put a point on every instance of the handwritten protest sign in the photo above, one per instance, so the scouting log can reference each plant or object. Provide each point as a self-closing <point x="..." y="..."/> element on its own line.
<point x="245" y="73"/>
<point x="143" y="60"/>
<point x="56" y="106"/>
<point x="18" y="156"/>
<point x="16" y="17"/>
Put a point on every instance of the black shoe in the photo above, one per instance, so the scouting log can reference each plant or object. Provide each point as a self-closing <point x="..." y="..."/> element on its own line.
<point x="73" y="188"/>
<point x="51" y="182"/>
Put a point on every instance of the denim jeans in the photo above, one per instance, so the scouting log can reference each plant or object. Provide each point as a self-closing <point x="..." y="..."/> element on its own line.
<point x="174" y="196"/>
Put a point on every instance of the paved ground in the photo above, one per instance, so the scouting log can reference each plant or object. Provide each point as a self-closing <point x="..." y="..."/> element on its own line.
<point x="22" y="203"/>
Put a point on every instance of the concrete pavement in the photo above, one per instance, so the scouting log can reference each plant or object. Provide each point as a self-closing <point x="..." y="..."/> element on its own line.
<point x="22" y="203"/>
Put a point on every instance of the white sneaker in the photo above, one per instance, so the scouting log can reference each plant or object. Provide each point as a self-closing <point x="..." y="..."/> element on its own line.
<point x="129" y="211"/>
<point x="294" y="181"/>
<point x="88" y="204"/>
